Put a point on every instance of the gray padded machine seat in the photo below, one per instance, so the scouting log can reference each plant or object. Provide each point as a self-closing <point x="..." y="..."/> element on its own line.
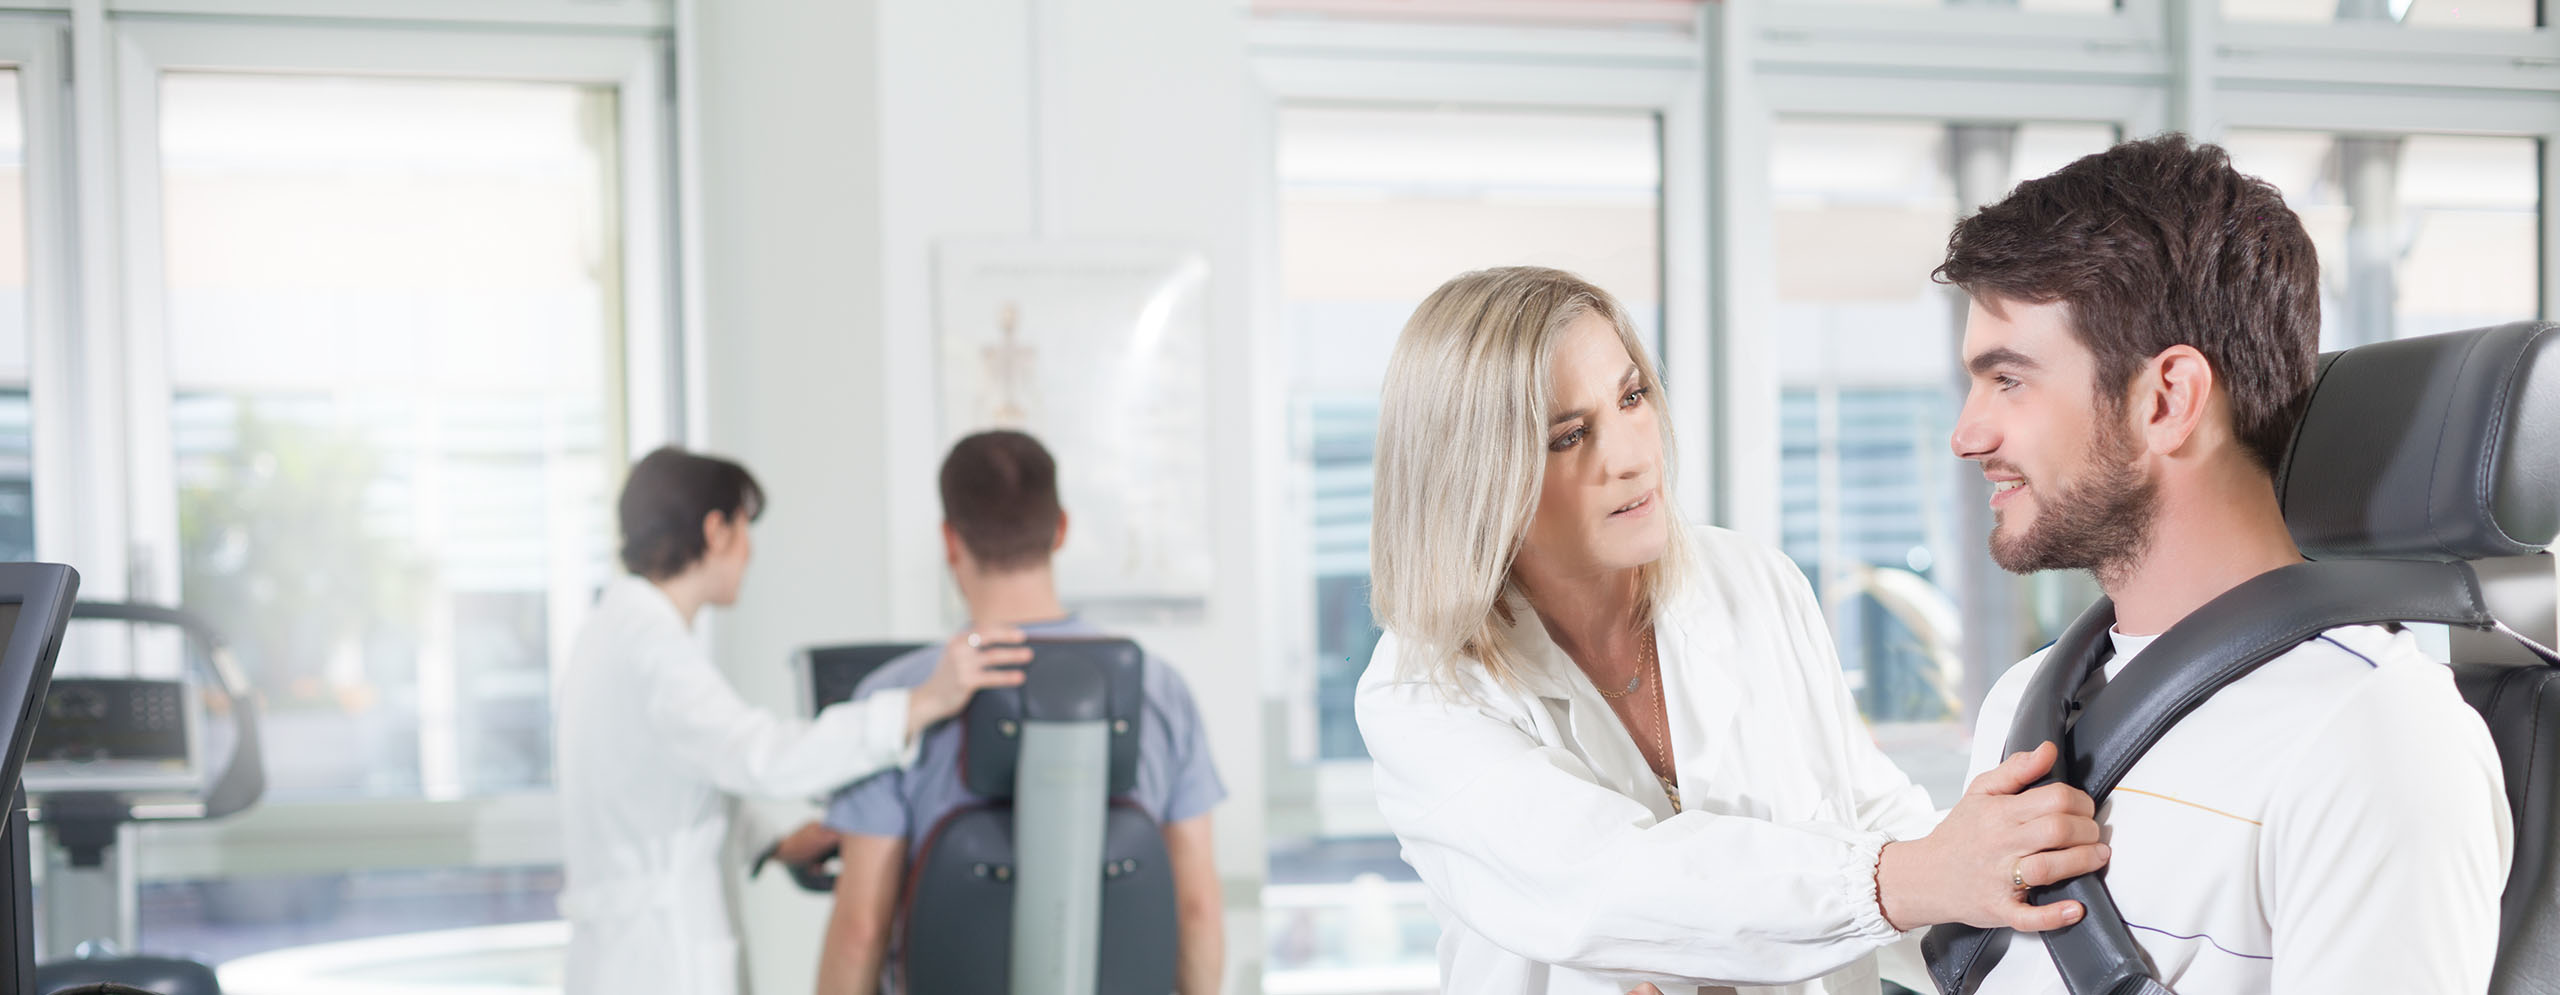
<point x="2447" y="448"/>
<point x="1076" y="872"/>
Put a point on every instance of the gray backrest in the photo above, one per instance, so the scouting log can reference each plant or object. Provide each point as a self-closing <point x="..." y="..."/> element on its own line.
<point x="2447" y="447"/>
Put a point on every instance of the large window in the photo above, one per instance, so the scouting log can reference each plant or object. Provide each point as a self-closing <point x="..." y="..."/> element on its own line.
<point x="2033" y="6"/>
<point x="388" y="308"/>
<point x="2506" y="15"/>
<point x="1884" y="522"/>
<point x="1379" y="206"/>
<point x="2413" y="137"/>
<point x="17" y="438"/>
<point x="2417" y="234"/>
<point x="392" y="315"/>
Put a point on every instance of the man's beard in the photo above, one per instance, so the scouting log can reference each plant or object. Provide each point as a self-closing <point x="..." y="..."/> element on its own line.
<point x="2100" y="523"/>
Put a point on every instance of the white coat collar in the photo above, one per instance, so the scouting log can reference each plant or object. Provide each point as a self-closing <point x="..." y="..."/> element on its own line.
<point x="1694" y="642"/>
<point x="640" y="592"/>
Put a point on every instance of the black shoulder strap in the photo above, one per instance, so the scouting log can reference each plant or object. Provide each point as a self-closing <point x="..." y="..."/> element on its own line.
<point x="1960" y="956"/>
<point x="2213" y="646"/>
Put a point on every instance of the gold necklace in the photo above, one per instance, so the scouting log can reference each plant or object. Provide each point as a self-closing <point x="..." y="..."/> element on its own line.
<point x="1632" y="681"/>
<point x="1662" y="718"/>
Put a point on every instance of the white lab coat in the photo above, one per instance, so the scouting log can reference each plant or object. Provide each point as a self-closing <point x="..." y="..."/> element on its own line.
<point x="1555" y="865"/>
<point x="649" y="740"/>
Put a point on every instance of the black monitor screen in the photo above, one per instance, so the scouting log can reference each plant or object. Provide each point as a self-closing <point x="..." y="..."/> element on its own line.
<point x="41" y="595"/>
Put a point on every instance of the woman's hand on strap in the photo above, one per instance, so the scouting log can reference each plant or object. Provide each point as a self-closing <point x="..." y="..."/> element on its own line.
<point x="2001" y="839"/>
<point x="987" y="656"/>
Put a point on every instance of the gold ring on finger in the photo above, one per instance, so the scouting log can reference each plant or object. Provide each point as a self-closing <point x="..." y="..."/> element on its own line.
<point x="2018" y="874"/>
<point x="974" y="641"/>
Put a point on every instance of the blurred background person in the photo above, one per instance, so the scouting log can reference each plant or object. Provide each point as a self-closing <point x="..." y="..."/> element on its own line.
<point x="1001" y="524"/>
<point x="653" y="742"/>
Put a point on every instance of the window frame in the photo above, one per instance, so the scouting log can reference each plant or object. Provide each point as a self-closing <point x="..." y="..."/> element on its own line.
<point x="36" y="46"/>
<point x="1407" y="65"/>
<point x="627" y="55"/>
<point x="2153" y="66"/>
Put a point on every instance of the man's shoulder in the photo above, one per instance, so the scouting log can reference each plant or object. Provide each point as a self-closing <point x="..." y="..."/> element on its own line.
<point x="1167" y="693"/>
<point x="2372" y="665"/>
<point x="2011" y="686"/>
<point x="2353" y="699"/>
<point x="2376" y="681"/>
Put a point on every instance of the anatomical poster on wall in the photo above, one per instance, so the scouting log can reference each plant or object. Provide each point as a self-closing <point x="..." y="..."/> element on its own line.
<point x="1099" y="350"/>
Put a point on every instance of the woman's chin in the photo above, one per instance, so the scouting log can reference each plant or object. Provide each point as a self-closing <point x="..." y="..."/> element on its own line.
<point x="1637" y="551"/>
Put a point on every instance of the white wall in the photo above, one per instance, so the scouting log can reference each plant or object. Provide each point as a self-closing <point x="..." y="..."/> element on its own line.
<point x="790" y="191"/>
<point x="840" y="142"/>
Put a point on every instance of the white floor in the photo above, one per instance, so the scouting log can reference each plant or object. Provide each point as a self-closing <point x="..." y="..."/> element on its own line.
<point x="519" y="959"/>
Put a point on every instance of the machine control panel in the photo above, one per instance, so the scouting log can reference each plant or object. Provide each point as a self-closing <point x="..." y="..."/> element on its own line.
<point x="113" y="734"/>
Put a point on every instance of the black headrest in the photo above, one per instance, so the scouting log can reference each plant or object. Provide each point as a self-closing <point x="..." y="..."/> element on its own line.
<point x="2443" y="447"/>
<point x="1068" y="680"/>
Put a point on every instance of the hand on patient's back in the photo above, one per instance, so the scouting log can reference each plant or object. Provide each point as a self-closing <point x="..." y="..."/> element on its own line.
<point x="993" y="662"/>
<point x="2001" y="831"/>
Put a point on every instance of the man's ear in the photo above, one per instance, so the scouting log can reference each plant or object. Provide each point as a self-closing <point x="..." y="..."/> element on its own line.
<point x="1059" y="541"/>
<point x="2172" y="397"/>
<point x="950" y="547"/>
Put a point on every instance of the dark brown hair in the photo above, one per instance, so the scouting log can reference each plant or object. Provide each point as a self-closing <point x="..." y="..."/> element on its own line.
<point x="1000" y="493"/>
<point x="2159" y="243"/>
<point x="663" y="503"/>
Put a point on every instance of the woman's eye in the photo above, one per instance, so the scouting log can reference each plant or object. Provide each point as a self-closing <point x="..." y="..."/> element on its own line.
<point x="1634" y="397"/>
<point x="1566" y="441"/>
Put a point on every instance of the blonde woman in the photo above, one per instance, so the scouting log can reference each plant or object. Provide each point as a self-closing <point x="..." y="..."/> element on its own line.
<point x="1619" y="750"/>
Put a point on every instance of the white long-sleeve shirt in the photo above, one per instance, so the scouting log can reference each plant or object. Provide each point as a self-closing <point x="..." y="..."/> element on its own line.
<point x="649" y="742"/>
<point x="1554" y="863"/>
<point x="2334" y="822"/>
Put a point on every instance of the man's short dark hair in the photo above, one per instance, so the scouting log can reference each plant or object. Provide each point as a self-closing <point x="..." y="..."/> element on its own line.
<point x="1000" y="493"/>
<point x="2159" y="243"/>
<point x="663" y="503"/>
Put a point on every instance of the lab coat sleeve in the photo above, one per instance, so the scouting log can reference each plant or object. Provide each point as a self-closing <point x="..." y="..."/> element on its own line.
<point x="2386" y="847"/>
<point x="1523" y="844"/>
<point x="1883" y="797"/>
<point x="750" y="830"/>
<point x="748" y="751"/>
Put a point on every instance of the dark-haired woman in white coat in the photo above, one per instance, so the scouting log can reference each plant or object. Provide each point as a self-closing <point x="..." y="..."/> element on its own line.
<point x="651" y="742"/>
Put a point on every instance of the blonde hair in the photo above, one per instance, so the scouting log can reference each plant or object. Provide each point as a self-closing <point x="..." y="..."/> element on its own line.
<point x="1461" y="455"/>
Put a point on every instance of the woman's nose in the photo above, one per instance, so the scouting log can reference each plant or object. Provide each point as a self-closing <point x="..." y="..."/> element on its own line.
<point x="1625" y="459"/>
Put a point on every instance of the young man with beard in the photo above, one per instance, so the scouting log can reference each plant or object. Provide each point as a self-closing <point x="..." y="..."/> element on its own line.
<point x="2141" y="343"/>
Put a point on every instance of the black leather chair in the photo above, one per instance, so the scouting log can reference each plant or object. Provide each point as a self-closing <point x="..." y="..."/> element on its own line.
<point x="2447" y="448"/>
<point x="1004" y="883"/>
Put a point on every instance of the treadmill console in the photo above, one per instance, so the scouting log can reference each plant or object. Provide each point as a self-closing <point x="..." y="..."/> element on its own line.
<point x="114" y="734"/>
